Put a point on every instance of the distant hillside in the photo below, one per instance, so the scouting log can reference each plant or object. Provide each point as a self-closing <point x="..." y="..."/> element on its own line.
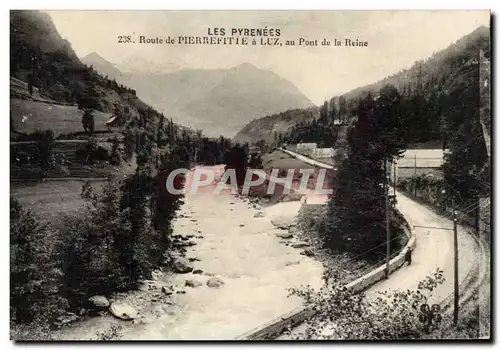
<point x="218" y="101"/>
<point x="431" y="79"/>
<point x="266" y="128"/>
<point x="438" y="67"/>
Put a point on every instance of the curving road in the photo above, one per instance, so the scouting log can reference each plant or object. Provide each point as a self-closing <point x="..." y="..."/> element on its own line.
<point x="434" y="247"/>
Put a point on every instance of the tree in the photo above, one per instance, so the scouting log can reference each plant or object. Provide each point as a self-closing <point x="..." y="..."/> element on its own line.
<point x="255" y="161"/>
<point x="129" y="140"/>
<point x="34" y="277"/>
<point x="261" y="145"/>
<point x="466" y="168"/>
<point x="323" y="114"/>
<point x="115" y="158"/>
<point x="91" y="246"/>
<point x="356" y="210"/>
<point x="89" y="102"/>
<point x="88" y="121"/>
<point x="237" y="158"/>
<point x="30" y="83"/>
<point x="341" y="314"/>
<point x="45" y="143"/>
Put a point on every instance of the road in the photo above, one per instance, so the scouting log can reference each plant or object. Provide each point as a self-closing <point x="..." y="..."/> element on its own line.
<point x="434" y="247"/>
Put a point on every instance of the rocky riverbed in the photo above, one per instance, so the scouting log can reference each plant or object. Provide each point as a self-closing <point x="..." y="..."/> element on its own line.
<point x="234" y="262"/>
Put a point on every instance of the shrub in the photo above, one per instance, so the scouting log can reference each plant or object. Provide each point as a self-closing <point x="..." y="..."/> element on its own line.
<point x="341" y="313"/>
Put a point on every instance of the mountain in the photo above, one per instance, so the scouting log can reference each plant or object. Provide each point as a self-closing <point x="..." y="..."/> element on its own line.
<point x="41" y="58"/>
<point x="102" y="66"/>
<point x="432" y="78"/>
<point x="218" y="101"/>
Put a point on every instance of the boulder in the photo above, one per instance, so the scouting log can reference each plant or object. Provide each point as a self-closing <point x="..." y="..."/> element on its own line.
<point x="68" y="318"/>
<point x="193" y="283"/>
<point x="123" y="311"/>
<point x="259" y="214"/>
<point x="284" y="235"/>
<point x="283" y="223"/>
<point x="181" y="265"/>
<point x="307" y="252"/>
<point x="99" y="302"/>
<point x="167" y="291"/>
<point x="300" y="245"/>
<point x="294" y="262"/>
<point x="197" y="272"/>
<point x="215" y="282"/>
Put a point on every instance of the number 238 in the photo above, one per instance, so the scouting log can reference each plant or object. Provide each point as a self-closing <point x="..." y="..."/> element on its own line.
<point x="124" y="39"/>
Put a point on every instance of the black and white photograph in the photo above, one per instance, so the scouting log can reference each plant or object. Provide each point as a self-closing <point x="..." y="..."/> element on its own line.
<point x="243" y="175"/>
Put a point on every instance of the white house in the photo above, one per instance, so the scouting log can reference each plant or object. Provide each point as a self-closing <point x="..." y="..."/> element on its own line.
<point x="306" y="148"/>
<point x="323" y="152"/>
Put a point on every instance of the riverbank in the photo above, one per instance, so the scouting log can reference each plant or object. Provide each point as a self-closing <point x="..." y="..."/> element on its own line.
<point x="236" y="243"/>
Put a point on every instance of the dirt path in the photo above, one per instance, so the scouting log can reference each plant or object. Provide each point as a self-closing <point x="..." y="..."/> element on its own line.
<point x="241" y="250"/>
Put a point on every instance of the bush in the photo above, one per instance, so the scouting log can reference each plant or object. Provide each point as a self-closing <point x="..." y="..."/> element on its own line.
<point x="91" y="153"/>
<point x="342" y="314"/>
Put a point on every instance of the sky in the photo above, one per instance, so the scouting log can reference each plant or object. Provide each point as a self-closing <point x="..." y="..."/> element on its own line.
<point x="396" y="39"/>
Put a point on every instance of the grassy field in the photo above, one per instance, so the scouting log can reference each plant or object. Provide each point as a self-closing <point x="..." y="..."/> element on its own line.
<point x="67" y="163"/>
<point x="51" y="200"/>
<point x="41" y="116"/>
<point x="280" y="160"/>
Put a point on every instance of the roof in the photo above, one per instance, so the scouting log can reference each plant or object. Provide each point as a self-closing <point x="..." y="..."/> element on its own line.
<point x="111" y="120"/>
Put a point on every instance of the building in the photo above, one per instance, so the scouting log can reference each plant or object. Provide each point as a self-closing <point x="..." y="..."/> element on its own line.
<point x="323" y="152"/>
<point x="113" y="123"/>
<point x="306" y="148"/>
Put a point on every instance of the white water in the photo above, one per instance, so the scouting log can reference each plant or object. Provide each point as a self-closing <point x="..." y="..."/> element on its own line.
<point x="255" y="267"/>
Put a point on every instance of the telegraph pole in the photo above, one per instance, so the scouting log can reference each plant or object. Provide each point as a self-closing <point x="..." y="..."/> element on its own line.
<point x="455" y="247"/>
<point x="394" y="181"/>
<point x="387" y="223"/>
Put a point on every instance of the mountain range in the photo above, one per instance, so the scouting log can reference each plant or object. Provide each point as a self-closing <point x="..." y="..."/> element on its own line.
<point x="218" y="101"/>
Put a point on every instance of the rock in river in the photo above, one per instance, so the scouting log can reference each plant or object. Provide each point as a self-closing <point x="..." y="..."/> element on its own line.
<point x="193" y="283"/>
<point x="68" y="318"/>
<point x="99" y="302"/>
<point x="283" y="222"/>
<point x="215" y="282"/>
<point x="284" y="235"/>
<point x="307" y="252"/>
<point x="181" y="265"/>
<point x="123" y="311"/>
<point x="300" y="245"/>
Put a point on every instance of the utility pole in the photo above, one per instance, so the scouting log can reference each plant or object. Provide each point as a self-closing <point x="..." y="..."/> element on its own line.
<point x="394" y="181"/>
<point x="387" y="224"/>
<point x="455" y="247"/>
